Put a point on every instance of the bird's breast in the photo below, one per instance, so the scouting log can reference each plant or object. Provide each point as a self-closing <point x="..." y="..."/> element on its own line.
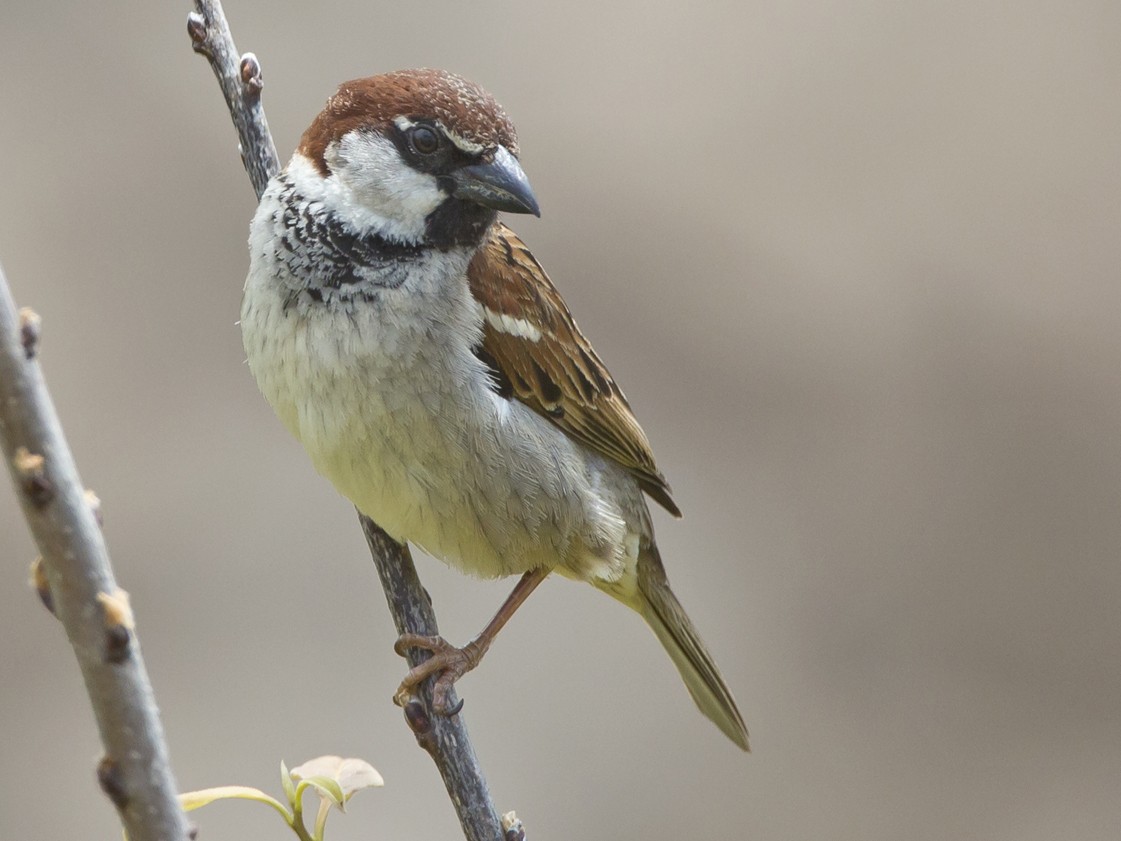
<point x="382" y="388"/>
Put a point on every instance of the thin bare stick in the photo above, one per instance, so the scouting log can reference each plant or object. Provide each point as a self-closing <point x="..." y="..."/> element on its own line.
<point x="444" y="738"/>
<point x="241" y="84"/>
<point x="76" y="581"/>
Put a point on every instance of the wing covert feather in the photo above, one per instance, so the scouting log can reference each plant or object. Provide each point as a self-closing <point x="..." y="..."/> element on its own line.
<point x="544" y="361"/>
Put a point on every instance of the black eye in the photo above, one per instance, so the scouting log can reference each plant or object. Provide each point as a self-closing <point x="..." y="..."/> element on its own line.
<point x="424" y="139"/>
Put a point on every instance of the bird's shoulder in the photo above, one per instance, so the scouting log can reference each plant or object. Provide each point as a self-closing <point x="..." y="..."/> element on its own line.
<point x="538" y="356"/>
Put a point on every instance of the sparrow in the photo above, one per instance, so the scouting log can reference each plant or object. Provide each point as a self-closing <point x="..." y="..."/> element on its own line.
<point x="420" y="354"/>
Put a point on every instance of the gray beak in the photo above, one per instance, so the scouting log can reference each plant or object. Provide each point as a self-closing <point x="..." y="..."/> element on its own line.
<point x="500" y="184"/>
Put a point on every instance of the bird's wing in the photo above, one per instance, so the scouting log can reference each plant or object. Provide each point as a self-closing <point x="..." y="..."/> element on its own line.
<point x="538" y="356"/>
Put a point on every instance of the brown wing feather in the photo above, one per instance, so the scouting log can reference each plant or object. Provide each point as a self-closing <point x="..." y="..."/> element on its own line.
<point x="545" y="362"/>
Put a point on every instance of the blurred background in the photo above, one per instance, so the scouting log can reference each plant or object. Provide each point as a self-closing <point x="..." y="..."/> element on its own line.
<point x="858" y="268"/>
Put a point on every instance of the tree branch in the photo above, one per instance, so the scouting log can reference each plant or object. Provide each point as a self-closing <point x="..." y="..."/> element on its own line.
<point x="241" y="83"/>
<point x="444" y="738"/>
<point x="76" y="581"/>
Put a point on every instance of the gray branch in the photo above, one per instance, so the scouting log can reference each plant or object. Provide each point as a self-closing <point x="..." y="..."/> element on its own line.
<point x="241" y="83"/>
<point x="76" y="581"/>
<point x="444" y="738"/>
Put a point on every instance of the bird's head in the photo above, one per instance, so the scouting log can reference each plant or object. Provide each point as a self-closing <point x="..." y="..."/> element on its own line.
<point x="421" y="156"/>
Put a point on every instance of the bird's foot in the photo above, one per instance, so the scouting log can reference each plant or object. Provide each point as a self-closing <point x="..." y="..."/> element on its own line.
<point x="447" y="662"/>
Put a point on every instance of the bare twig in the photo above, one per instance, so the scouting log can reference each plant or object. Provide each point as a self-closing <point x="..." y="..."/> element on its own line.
<point x="75" y="579"/>
<point x="241" y="83"/>
<point x="445" y="739"/>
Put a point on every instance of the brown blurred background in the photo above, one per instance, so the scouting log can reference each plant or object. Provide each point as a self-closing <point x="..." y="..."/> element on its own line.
<point x="858" y="267"/>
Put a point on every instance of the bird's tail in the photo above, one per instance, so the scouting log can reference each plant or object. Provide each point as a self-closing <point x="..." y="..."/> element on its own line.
<point x="665" y="615"/>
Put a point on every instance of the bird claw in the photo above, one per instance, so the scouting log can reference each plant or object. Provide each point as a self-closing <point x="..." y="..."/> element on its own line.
<point x="448" y="663"/>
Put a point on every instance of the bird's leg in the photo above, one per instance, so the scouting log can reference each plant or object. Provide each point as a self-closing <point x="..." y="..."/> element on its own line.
<point x="450" y="663"/>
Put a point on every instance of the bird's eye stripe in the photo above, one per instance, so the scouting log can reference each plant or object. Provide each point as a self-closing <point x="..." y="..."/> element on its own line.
<point x="463" y="144"/>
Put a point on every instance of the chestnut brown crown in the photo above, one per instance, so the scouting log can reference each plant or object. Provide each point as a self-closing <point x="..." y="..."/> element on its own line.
<point x="462" y="107"/>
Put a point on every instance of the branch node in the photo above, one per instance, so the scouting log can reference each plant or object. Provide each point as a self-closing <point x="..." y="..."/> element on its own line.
<point x="42" y="586"/>
<point x="112" y="782"/>
<point x="119" y="623"/>
<point x="118" y="644"/>
<point x="250" y="69"/>
<point x="416" y="716"/>
<point x="29" y="324"/>
<point x="118" y="610"/>
<point x="196" y="29"/>
<point x="512" y="827"/>
<point x="94" y="502"/>
<point x="31" y="469"/>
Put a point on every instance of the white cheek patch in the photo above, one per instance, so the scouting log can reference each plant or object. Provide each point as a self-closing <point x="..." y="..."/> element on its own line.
<point x="373" y="179"/>
<point x="512" y="326"/>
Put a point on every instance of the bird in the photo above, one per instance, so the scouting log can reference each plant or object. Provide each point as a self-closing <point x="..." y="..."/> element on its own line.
<point x="418" y="351"/>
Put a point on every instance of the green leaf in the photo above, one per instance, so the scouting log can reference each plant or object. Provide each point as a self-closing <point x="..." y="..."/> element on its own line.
<point x="192" y="800"/>
<point x="326" y="787"/>
<point x="286" y="784"/>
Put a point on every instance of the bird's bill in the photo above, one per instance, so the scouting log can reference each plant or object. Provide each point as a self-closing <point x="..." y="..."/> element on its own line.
<point x="500" y="184"/>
